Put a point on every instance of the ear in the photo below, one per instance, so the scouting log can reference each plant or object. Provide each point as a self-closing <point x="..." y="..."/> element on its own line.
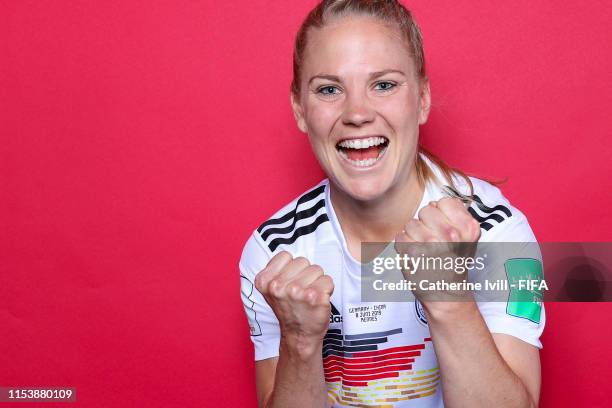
<point x="424" y="101"/>
<point x="298" y="113"/>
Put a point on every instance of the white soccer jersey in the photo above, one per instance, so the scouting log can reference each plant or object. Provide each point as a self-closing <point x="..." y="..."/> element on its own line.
<point x="375" y="354"/>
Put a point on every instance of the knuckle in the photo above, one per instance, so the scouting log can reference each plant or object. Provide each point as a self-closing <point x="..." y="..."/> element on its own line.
<point x="294" y="290"/>
<point x="285" y="255"/>
<point x="452" y="233"/>
<point x="327" y="280"/>
<point x="456" y="202"/>
<point x="327" y="283"/>
<point x="310" y="295"/>
<point x="280" y="258"/>
<point x="451" y="204"/>
<point x="275" y="288"/>
<point x="315" y="270"/>
<point x="301" y="262"/>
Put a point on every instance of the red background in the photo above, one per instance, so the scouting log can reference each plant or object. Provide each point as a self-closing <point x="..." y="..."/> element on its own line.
<point x="142" y="141"/>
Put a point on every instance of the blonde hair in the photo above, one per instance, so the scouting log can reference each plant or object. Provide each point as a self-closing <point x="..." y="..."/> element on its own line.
<point x="390" y="12"/>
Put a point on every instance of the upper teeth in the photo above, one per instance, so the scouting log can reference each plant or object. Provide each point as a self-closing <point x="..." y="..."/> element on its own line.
<point x="362" y="143"/>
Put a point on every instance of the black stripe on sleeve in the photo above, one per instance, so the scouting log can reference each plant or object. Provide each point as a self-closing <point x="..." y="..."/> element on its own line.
<point x="304" y="230"/>
<point x="479" y="218"/>
<point x="303" y="199"/>
<point x="298" y="216"/>
<point x="486" y="226"/>
<point x="487" y="209"/>
<point x="478" y="201"/>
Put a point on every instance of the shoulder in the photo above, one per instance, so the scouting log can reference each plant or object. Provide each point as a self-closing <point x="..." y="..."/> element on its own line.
<point x="294" y="227"/>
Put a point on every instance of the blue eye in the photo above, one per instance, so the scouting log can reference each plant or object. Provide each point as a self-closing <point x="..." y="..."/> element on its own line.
<point x="328" y="90"/>
<point x="385" y="86"/>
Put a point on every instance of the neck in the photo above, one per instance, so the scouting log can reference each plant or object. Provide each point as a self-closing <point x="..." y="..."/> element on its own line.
<point x="377" y="220"/>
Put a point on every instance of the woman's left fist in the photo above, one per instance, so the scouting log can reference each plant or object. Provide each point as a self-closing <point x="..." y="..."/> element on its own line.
<point x="444" y="232"/>
<point x="445" y="220"/>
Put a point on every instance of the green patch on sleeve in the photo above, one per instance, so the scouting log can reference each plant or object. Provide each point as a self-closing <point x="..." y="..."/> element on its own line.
<point x="524" y="301"/>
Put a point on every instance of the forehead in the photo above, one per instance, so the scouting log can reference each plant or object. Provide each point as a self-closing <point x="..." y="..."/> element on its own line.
<point x="353" y="44"/>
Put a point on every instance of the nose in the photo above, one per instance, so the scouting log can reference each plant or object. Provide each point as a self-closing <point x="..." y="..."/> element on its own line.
<point x="357" y="111"/>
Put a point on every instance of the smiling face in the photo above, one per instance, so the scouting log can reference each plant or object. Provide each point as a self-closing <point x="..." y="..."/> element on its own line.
<point x="361" y="104"/>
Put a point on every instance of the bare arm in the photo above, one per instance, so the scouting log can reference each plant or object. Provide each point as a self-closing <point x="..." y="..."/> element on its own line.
<point x="479" y="369"/>
<point x="299" y="295"/>
<point x="294" y="378"/>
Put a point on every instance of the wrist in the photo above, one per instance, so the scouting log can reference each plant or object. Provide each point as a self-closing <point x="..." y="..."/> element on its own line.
<point x="301" y="346"/>
<point x="449" y="311"/>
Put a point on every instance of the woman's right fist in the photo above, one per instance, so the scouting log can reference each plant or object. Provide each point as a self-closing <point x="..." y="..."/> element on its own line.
<point x="298" y="293"/>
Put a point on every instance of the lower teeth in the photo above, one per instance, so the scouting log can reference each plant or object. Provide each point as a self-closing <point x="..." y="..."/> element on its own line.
<point x="363" y="163"/>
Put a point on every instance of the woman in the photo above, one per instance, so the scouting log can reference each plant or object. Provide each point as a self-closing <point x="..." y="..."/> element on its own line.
<point x="360" y="92"/>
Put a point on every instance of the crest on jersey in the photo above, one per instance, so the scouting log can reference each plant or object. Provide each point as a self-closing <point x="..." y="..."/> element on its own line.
<point x="420" y="312"/>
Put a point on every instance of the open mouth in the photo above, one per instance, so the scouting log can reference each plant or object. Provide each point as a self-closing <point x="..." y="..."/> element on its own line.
<point x="365" y="152"/>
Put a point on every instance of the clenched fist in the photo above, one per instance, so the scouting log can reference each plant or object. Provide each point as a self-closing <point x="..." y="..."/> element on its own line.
<point x="299" y="294"/>
<point x="446" y="220"/>
<point x="444" y="230"/>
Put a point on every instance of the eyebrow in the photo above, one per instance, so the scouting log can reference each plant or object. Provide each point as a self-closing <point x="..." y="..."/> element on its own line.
<point x="373" y="75"/>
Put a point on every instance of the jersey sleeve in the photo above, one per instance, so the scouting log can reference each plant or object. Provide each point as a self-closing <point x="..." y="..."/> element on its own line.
<point x="264" y="327"/>
<point x="523" y="320"/>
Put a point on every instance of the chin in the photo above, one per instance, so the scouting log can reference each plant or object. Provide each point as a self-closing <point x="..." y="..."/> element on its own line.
<point x="363" y="190"/>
